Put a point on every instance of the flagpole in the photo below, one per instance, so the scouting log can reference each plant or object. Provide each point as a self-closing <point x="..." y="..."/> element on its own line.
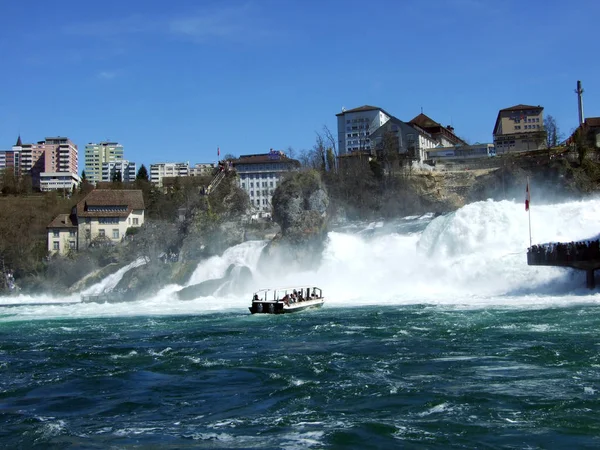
<point x="529" y="209"/>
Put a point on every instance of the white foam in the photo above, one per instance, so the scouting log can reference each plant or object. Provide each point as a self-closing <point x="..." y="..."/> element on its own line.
<point x="472" y="258"/>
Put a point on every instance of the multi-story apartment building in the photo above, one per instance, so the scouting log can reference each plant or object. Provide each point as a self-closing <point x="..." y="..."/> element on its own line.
<point x="126" y="169"/>
<point x="519" y="128"/>
<point x="159" y="171"/>
<point x="10" y="159"/>
<point x="52" y="155"/>
<point x="98" y="154"/>
<point x="260" y="174"/>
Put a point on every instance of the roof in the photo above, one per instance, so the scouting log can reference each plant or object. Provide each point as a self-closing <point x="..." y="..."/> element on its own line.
<point x="593" y="122"/>
<point x="19" y="142"/>
<point x="427" y="123"/>
<point x="363" y="109"/>
<point x="521" y="107"/>
<point x="63" y="221"/>
<point x="130" y="199"/>
<point x="263" y="158"/>
<point x="424" y="121"/>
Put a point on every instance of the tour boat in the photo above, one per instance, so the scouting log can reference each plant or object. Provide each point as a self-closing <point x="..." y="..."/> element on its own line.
<point x="286" y="300"/>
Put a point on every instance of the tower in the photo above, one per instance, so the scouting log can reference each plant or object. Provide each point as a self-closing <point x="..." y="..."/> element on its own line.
<point x="579" y="92"/>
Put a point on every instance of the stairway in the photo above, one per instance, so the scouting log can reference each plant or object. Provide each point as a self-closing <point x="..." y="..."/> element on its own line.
<point x="215" y="182"/>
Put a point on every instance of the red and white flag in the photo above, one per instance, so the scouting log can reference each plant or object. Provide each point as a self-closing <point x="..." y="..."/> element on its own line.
<point x="527" y="197"/>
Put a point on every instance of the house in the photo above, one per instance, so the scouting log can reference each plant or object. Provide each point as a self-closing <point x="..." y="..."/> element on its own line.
<point x="106" y="214"/>
<point x="102" y="215"/>
<point x="519" y="128"/>
<point x="410" y="141"/>
<point x="62" y="234"/>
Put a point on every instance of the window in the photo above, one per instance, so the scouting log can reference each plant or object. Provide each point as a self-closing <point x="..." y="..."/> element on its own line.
<point x="251" y="193"/>
<point x="136" y="221"/>
<point x="101" y="232"/>
<point x="55" y="245"/>
<point x="87" y="234"/>
<point x="71" y="234"/>
<point x="56" y="233"/>
<point x="72" y="244"/>
<point x="251" y="185"/>
<point x="271" y="184"/>
<point x="115" y="234"/>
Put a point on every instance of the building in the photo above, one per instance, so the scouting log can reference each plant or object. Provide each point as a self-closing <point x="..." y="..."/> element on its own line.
<point x="460" y="152"/>
<point x="102" y="216"/>
<point x="588" y="132"/>
<point x="260" y="174"/>
<point x="409" y="141"/>
<point x="106" y="214"/>
<point x="55" y="181"/>
<point x="122" y="169"/>
<point x="10" y="159"/>
<point x="52" y="155"/>
<point x="163" y="170"/>
<point x="355" y="126"/>
<point x="444" y="136"/>
<point x="519" y="128"/>
<point x="62" y="234"/>
<point x="98" y="154"/>
<point x="202" y="169"/>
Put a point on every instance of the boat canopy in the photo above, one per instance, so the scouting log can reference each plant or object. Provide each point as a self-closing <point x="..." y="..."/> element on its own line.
<point x="278" y="293"/>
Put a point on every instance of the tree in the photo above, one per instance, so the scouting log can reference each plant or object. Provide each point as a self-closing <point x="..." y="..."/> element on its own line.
<point x="142" y="174"/>
<point x="229" y="157"/>
<point x="553" y="135"/>
<point x="83" y="177"/>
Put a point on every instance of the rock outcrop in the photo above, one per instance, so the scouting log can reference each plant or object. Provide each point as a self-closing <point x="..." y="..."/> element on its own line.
<point x="300" y="206"/>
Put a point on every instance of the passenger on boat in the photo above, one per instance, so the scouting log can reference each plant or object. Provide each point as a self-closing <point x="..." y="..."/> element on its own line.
<point x="286" y="299"/>
<point x="255" y="298"/>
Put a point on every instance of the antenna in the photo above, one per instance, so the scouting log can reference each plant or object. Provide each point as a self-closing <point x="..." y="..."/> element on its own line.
<point x="343" y="109"/>
<point x="579" y="92"/>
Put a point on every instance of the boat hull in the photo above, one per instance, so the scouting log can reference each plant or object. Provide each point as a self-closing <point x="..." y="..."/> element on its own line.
<point x="272" y="307"/>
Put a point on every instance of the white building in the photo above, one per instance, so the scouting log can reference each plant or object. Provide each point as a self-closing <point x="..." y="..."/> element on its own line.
<point x="260" y="174"/>
<point x="355" y="126"/>
<point x="127" y="169"/>
<point x="161" y="170"/>
<point x="55" y="181"/>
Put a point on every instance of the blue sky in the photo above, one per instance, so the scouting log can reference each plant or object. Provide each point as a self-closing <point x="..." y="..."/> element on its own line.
<point x="173" y="80"/>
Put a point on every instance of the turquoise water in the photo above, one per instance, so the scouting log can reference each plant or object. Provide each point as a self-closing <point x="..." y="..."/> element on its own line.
<point x="407" y="376"/>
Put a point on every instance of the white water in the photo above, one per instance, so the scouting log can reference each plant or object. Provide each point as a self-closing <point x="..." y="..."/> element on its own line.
<point x="475" y="257"/>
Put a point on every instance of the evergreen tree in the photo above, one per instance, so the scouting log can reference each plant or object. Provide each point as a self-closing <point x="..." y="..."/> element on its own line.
<point x="142" y="174"/>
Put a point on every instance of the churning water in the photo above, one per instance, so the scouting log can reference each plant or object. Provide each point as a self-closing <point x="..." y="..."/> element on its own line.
<point x="435" y="333"/>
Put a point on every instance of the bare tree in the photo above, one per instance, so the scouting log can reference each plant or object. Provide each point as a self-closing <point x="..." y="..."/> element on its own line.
<point x="553" y="135"/>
